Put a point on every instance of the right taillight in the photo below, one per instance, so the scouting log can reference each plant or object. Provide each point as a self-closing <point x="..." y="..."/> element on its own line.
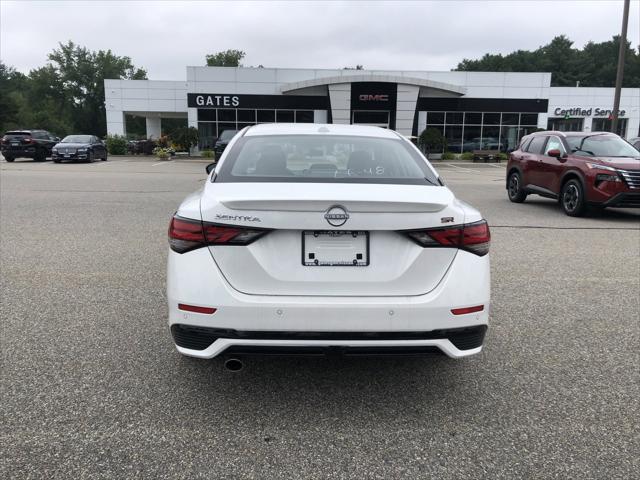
<point x="187" y="234"/>
<point x="472" y="237"/>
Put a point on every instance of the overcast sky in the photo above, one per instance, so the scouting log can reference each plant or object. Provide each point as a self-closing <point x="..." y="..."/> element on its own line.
<point x="164" y="37"/>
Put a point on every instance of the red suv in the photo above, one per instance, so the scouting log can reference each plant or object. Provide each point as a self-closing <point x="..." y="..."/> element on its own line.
<point x="577" y="168"/>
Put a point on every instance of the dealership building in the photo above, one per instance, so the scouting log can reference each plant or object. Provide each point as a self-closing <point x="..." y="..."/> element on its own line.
<point x="472" y="109"/>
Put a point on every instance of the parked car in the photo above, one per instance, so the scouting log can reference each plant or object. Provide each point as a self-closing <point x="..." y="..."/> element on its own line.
<point x="372" y="254"/>
<point x="222" y="141"/>
<point x="86" y="148"/>
<point x="576" y="168"/>
<point x="34" y="144"/>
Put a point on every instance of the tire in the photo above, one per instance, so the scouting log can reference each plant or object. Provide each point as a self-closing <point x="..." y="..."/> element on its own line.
<point x="9" y="159"/>
<point x="90" y="156"/>
<point x="104" y="159"/>
<point x="40" y="156"/>
<point x="514" y="188"/>
<point x="57" y="160"/>
<point x="572" y="198"/>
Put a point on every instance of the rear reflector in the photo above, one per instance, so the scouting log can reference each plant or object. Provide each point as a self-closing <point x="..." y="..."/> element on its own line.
<point x="195" y="309"/>
<point x="464" y="311"/>
<point x="472" y="237"/>
<point x="186" y="234"/>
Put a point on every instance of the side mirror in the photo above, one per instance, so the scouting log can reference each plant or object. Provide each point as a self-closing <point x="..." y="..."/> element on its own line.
<point x="555" y="153"/>
<point x="209" y="168"/>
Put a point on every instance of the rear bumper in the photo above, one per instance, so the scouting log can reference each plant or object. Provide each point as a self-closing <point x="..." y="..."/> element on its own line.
<point x="324" y="322"/>
<point x="22" y="152"/>
<point x="209" y="342"/>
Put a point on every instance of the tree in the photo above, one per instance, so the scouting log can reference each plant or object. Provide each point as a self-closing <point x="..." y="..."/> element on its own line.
<point x="593" y="66"/>
<point x="185" y="137"/>
<point x="12" y="85"/>
<point x="432" y="139"/>
<point x="81" y="74"/>
<point x="228" y="58"/>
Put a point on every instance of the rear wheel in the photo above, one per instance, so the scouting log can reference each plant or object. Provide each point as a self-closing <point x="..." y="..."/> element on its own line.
<point x="9" y="159"/>
<point x="514" y="188"/>
<point x="104" y="159"/>
<point x="572" y="198"/>
<point x="41" y="156"/>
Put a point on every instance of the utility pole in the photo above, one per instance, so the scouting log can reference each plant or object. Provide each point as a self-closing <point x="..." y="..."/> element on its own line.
<point x="620" y="72"/>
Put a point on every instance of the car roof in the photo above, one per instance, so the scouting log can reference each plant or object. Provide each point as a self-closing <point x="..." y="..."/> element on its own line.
<point x="567" y="134"/>
<point x="319" y="129"/>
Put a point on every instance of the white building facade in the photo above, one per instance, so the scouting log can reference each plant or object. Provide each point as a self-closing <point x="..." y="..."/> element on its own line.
<point x="471" y="109"/>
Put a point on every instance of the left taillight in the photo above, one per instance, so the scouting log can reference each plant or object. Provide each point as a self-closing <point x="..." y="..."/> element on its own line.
<point x="472" y="237"/>
<point x="186" y="234"/>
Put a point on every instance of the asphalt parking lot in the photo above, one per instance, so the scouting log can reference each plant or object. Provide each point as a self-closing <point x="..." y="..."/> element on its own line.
<point x="92" y="386"/>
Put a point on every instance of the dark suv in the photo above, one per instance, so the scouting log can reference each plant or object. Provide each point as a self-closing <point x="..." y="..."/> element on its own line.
<point x="576" y="168"/>
<point x="34" y="144"/>
<point x="223" y="141"/>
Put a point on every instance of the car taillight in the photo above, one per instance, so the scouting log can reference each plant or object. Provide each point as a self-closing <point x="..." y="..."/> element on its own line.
<point x="472" y="237"/>
<point x="4" y="139"/>
<point x="186" y="234"/>
<point x="27" y="140"/>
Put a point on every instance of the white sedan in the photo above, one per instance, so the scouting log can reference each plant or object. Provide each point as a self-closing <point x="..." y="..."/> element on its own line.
<point x="315" y="239"/>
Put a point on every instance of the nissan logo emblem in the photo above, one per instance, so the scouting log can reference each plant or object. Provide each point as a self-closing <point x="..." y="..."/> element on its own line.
<point x="336" y="216"/>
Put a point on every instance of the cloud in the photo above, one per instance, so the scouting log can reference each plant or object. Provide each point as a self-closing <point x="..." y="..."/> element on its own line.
<point x="164" y="37"/>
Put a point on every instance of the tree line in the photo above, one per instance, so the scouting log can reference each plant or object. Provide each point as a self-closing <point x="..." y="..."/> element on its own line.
<point x="592" y="66"/>
<point x="67" y="94"/>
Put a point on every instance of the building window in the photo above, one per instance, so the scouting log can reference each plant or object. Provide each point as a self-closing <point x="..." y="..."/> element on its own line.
<point x="213" y="121"/>
<point x="371" y="117"/>
<point x="565" y="124"/>
<point x="604" y="125"/>
<point x="469" y="131"/>
<point x="285" y="116"/>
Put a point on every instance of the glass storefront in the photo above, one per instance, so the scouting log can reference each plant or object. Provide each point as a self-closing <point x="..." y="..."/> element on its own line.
<point x="604" y="125"/>
<point x="469" y="131"/>
<point x="213" y="121"/>
<point x="565" y="124"/>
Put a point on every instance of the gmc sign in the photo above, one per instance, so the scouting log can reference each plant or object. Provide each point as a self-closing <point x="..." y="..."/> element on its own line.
<point x="373" y="98"/>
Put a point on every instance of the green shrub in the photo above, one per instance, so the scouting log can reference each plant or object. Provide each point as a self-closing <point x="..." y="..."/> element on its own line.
<point x="448" y="156"/>
<point x="207" y="153"/>
<point x="432" y="140"/>
<point x="116" y="144"/>
<point x="502" y="156"/>
<point x="162" y="153"/>
<point x="467" y="156"/>
<point x="185" y="137"/>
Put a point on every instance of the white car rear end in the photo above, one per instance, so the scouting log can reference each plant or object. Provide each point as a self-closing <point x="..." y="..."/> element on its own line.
<point x="326" y="238"/>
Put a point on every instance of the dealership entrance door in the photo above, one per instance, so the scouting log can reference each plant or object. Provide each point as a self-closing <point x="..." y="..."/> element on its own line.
<point x="376" y="118"/>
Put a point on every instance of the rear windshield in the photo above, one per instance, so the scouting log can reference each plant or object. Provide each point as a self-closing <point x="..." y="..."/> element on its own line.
<point x="601" y="146"/>
<point x="228" y="134"/>
<point x="328" y="159"/>
<point x="18" y="134"/>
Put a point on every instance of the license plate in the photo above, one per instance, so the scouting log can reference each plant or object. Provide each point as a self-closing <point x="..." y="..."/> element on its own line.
<point x="66" y="155"/>
<point x="15" y="144"/>
<point x="330" y="248"/>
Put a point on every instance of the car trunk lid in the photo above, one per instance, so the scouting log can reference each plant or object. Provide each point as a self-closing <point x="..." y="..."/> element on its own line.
<point x="275" y="263"/>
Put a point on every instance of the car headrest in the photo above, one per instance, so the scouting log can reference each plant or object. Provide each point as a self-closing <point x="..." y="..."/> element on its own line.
<point x="360" y="160"/>
<point x="272" y="162"/>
